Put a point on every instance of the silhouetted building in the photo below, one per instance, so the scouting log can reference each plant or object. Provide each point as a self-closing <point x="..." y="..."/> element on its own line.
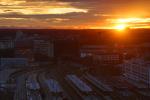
<point x="66" y="48"/>
<point x="144" y="49"/>
<point x="101" y="54"/>
<point x="44" y="47"/>
<point x="7" y="47"/>
<point x="107" y="58"/>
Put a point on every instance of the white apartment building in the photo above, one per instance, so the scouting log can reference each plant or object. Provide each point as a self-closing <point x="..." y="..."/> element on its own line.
<point x="138" y="71"/>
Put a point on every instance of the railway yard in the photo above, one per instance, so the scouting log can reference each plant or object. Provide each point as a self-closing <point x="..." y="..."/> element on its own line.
<point x="55" y="84"/>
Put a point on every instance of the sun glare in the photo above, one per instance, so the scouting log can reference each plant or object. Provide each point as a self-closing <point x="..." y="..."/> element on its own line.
<point x="120" y="27"/>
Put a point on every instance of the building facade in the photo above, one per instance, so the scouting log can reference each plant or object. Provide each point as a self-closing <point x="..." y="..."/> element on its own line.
<point x="101" y="54"/>
<point x="137" y="70"/>
<point x="108" y="58"/>
<point x="7" y="44"/>
<point x="13" y="62"/>
<point x="44" y="47"/>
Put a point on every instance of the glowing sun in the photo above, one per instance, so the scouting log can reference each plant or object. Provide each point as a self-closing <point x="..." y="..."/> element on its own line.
<point x="121" y="27"/>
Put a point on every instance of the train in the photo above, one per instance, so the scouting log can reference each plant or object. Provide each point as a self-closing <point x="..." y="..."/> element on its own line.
<point x="98" y="84"/>
<point x="33" y="87"/>
<point x="32" y="83"/>
<point x="55" y="90"/>
<point x="83" y="90"/>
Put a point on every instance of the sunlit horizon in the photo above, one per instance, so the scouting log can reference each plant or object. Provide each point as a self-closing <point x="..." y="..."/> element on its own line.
<point x="67" y="14"/>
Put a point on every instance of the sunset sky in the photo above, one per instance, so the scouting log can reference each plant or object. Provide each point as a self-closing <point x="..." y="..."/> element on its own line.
<point x="76" y="14"/>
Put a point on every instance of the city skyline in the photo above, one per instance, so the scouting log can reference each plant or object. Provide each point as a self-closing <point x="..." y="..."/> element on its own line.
<point x="75" y="14"/>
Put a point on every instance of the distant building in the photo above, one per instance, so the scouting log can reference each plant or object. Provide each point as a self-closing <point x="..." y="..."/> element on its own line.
<point x="24" y="53"/>
<point x="22" y="41"/>
<point x="137" y="71"/>
<point x="136" y="50"/>
<point x="144" y="49"/>
<point x="107" y="58"/>
<point x="7" y="44"/>
<point x="44" y="47"/>
<point x="91" y="49"/>
<point x="66" y="48"/>
<point x="101" y="54"/>
<point x="19" y="36"/>
<point x="13" y="62"/>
